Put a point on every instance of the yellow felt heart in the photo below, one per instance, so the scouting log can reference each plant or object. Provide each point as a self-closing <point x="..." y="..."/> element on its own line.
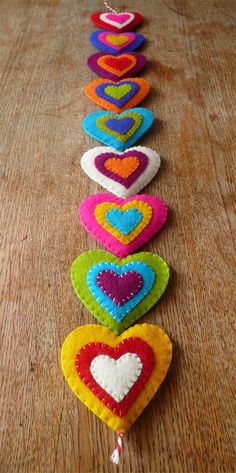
<point x="157" y="340"/>
<point x="117" y="40"/>
<point x="102" y="209"/>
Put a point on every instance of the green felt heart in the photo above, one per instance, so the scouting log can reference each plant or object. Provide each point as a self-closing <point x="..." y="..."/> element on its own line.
<point x="101" y="123"/>
<point x="84" y="265"/>
<point x="118" y="92"/>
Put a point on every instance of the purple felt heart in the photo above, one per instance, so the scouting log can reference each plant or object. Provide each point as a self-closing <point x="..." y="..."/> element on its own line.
<point x="120" y="288"/>
<point x="116" y="73"/>
<point x="121" y="125"/>
<point x="101" y="159"/>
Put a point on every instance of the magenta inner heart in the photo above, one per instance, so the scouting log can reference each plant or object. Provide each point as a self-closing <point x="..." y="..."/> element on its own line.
<point x="120" y="288"/>
<point x="118" y="18"/>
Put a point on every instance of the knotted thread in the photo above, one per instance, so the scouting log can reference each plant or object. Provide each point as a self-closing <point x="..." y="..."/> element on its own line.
<point x="115" y="457"/>
<point x="109" y="8"/>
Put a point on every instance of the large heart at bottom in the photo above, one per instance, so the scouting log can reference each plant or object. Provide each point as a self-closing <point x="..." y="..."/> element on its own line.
<point x="119" y="130"/>
<point x="123" y="226"/>
<point x="106" y="297"/>
<point x="123" y="174"/>
<point x="116" y="377"/>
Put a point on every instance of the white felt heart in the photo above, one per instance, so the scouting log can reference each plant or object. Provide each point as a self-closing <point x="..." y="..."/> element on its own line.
<point x="110" y="19"/>
<point x="117" y="185"/>
<point x="116" y="377"/>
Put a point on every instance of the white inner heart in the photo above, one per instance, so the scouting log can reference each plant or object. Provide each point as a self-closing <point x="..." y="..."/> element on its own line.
<point x="116" y="377"/>
<point x="103" y="17"/>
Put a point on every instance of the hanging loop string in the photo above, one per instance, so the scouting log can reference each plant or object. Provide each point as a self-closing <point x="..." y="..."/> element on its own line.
<point x="115" y="457"/>
<point x="109" y="8"/>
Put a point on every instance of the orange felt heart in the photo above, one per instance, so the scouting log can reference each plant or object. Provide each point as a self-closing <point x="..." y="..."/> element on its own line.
<point x="117" y="65"/>
<point x="100" y="91"/>
<point x="122" y="167"/>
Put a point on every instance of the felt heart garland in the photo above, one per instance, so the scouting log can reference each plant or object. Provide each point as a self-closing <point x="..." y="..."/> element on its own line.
<point x="116" y="376"/>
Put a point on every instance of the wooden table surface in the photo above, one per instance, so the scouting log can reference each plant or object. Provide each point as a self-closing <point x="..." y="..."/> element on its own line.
<point x="191" y="47"/>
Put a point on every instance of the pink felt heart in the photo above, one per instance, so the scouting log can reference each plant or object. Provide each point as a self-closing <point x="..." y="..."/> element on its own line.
<point x="94" y="212"/>
<point x="119" y="17"/>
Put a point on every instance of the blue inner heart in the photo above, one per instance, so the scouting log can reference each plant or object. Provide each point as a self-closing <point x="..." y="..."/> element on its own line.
<point x="100" y="90"/>
<point x="124" y="221"/>
<point x="118" y="313"/>
<point x="121" y="125"/>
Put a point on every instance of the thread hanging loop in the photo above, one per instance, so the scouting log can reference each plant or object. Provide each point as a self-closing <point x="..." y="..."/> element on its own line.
<point x="115" y="457"/>
<point x="110" y="8"/>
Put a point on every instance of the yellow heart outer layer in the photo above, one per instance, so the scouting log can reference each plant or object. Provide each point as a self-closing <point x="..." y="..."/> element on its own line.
<point x="156" y="338"/>
<point x="146" y="210"/>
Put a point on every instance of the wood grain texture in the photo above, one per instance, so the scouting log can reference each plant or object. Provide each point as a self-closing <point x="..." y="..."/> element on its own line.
<point x="189" y="426"/>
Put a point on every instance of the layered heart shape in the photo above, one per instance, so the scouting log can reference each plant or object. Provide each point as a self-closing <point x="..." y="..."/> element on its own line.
<point x="116" y="377"/>
<point x="114" y="43"/>
<point x="117" y="67"/>
<point x="123" y="226"/>
<point x="117" y="97"/>
<point x="118" y="292"/>
<point x="117" y="22"/>
<point x="119" y="130"/>
<point x="123" y="174"/>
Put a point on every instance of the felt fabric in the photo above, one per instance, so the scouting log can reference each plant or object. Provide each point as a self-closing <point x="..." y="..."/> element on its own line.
<point x="123" y="225"/>
<point x="87" y="269"/>
<point x="123" y="174"/>
<point x="125" y="221"/>
<point x="119" y="67"/>
<point x="117" y="22"/>
<point x="119" y="285"/>
<point x="116" y="377"/>
<point x="117" y="97"/>
<point x="114" y="43"/>
<point x="120" y="293"/>
<point x="130" y="362"/>
<point x="120" y="131"/>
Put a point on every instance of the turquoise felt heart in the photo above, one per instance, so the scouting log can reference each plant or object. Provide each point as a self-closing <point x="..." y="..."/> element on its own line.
<point x="114" y="293"/>
<point x="124" y="221"/>
<point x="121" y="130"/>
<point x="119" y="291"/>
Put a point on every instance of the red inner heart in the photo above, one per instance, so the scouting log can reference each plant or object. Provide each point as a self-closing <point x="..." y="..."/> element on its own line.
<point x="134" y="345"/>
<point x="118" y="64"/>
<point x="120" y="288"/>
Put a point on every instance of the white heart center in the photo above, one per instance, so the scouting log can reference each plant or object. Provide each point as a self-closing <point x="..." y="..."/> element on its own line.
<point x="116" y="377"/>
